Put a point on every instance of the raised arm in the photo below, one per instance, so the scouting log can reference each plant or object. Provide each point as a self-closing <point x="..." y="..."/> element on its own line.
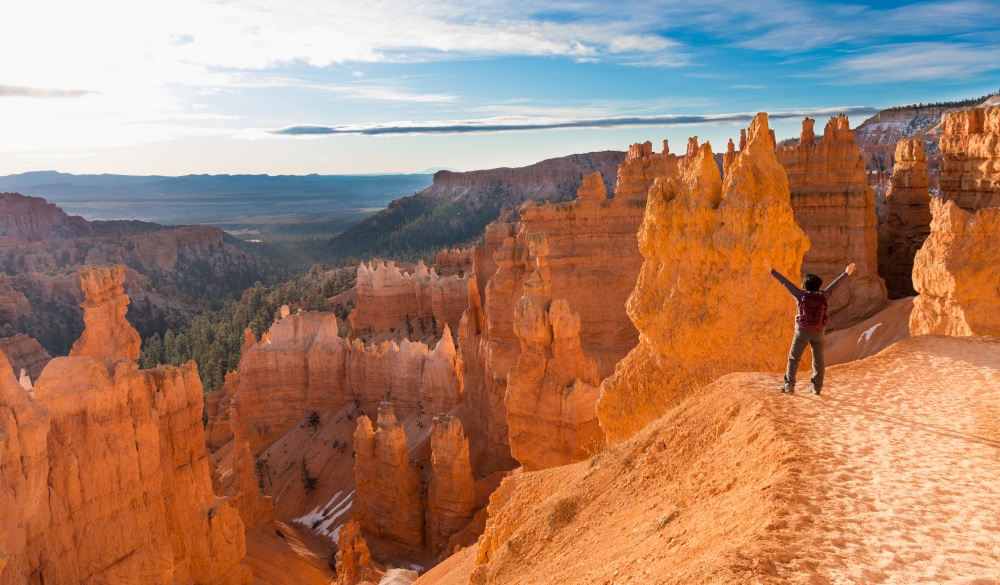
<point x="794" y="290"/>
<point x="836" y="282"/>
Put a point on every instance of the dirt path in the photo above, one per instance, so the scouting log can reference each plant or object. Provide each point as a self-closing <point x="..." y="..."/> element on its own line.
<point x="902" y="484"/>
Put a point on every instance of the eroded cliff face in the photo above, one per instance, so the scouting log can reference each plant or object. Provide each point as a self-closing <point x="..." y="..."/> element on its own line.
<point x="907" y="218"/>
<point x="25" y="354"/>
<point x="703" y="279"/>
<point x="970" y="173"/>
<point x="552" y="390"/>
<point x="388" y="499"/>
<point x="33" y="218"/>
<point x="114" y="480"/>
<point x="957" y="273"/>
<point x="414" y="304"/>
<point x="835" y="207"/>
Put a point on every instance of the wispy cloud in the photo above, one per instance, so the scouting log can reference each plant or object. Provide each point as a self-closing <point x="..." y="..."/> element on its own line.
<point x="41" y="92"/>
<point x="922" y="61"/>
<point x="517" y="124"/>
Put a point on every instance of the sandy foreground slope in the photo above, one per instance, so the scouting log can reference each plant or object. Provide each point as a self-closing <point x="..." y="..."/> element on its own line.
<point x="891" y="476"/>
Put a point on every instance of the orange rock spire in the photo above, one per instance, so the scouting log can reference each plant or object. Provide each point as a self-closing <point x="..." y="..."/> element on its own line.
<point x="907" y="218"/>
<point x="451" y="496"/>
<point x="107" y="336"/>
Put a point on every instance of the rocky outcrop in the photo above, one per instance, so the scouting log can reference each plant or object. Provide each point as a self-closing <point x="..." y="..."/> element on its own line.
<point x="354" y="561"/>
<point x="25" y="353"/>
<point x="301" y="366"/>
<point x="907" y="218"/>
<point x="107" y="336"/>
<point x="13" y="306"/>
<point x="970" y="173"/>
<point x="33" y="218"/>
<point x="552" y="390"/>
<point x="390" y="298"/>
<point x="110" y="475"/>
<point x="451" y="496"/>
<point x="957" y="273"/>
<point x="835" y="207"/>
<point x="388" y="499"/>
<point x="703" y="278"/>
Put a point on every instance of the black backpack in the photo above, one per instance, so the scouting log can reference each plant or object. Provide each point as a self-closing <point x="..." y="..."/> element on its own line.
<point x="812" y="312"/>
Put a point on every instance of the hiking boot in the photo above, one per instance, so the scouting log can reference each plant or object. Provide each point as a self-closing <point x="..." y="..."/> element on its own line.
<point x="787" y="389"/>
<point x="814" y="390"/>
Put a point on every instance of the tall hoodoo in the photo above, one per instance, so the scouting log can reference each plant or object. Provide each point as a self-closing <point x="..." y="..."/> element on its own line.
<point x="970" y="172"/>
<point x="957" y="273"/>
<point x="388" y="502"/>
<point x="107" y="337"/>
<point x="836" y="209"/>
<point x="125" y="483"/>
<point x="552" y="389"/>
<point x="451" y="497"/>
<point x="907" y="218"/>
<point x="703" y="279"/>
<point x="354" y="561"/>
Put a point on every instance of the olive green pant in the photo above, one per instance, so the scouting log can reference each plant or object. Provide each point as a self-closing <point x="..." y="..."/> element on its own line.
<point x="816" y="339"/>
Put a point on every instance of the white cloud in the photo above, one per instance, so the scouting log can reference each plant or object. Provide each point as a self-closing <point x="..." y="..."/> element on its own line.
<point x="921" y="61"/>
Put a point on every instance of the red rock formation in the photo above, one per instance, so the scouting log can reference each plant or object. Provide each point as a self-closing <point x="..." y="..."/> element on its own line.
<point x="907" y="218"/>
<point x="835" y="207"/>
<point x="25" y="353"/>
<point x="125" y="492"/>
<point x="695" y="227"/>
<point x="107" y="336"/>
<point x="13" y="306"/>
<point x="456" y="261"/>
<point x="388" y="502"/>
<point x="451" y="497"/>
<point x="957" y="273"/>
<point x="970" y="173"/>
<point x="33" y="218"/>
<point x="388" y="297"/>
<point x="354" y="562"/>
<point x="552" y="389"/>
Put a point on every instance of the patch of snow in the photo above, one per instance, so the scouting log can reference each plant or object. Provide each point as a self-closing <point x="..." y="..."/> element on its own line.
<point x="322" y="518"/>
<point x="867" y="335"/>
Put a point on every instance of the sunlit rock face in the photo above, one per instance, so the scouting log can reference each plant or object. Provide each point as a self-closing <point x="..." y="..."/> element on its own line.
<point x="970" y="144"/>
<point x="105" y="472"/>
<point x="907" y="217"/>
<point x="835" y="207"/>
<point x="704" y="243"/>
<point x="957" y="273"/>
<point x="552" y="389"/>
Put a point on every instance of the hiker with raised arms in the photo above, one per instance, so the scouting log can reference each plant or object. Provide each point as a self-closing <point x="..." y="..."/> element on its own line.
<point x="810" y="324"/>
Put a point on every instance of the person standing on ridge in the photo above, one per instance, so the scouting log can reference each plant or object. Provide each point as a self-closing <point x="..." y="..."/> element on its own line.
<point x="810" y="324"/>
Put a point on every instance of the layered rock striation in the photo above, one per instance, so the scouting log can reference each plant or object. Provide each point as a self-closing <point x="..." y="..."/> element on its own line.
<point x="835" y="207"/>
<point x="703" y="279"/>
<point x="107" y="474"/>
<point x="970" y="144"/>
<point x="957" y="273"/>
<point x="907" y="218"/>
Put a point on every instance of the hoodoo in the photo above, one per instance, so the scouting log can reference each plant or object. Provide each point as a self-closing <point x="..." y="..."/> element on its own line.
<point x="835" y="207"/>
<point x="702" y="279"/>
<point x="907" y="217"/>
<point x="970" y="172"/>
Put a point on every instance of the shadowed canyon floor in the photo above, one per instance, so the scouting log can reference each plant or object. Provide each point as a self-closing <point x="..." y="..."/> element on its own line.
<point x="891" y="476"/>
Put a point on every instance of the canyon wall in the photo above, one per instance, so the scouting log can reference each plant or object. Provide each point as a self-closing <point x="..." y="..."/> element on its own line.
<point x="390" y="298"/>
<point x="33" y="218"/>
<point x="957" y="273"/>
<point x="970" y="173"/>
<point x="703" y="280"/>
<point x="835" y="207"/>
<point x="907" y="218"/>
<point x="106" y="466"/>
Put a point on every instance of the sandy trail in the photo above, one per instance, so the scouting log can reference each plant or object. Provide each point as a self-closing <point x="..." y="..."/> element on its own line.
<point x="902" y="478"/>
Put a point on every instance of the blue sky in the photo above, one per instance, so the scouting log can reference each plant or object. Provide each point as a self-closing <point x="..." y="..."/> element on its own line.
<point x="345" y="86"/>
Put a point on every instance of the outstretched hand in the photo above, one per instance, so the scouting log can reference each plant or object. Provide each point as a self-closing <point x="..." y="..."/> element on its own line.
<point x="767" y="264"/>
<point x="850" y="269"/>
